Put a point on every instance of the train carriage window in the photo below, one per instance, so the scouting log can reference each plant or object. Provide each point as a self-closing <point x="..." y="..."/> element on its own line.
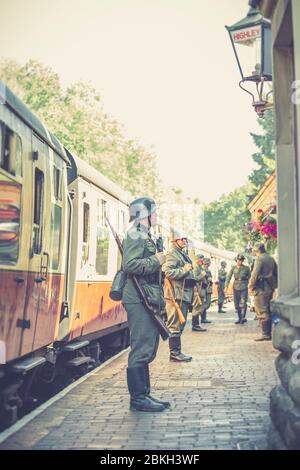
<point x="38" y="211"/>
<point x="10" y="208"/>
<point x="11" y="151"/>
<point x="1" y="145"/>
<point x="57" y="177"/>
<point x="86" y="232"/>
<point x="102" y="242"/>
<point x="55" y="235"/>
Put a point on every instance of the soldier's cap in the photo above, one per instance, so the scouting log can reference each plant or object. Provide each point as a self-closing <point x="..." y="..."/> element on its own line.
<point x="223" y="263"/>
<point x="258" y="246"/>
<point x="240" y="257"/>
<point x="200" y="256"/>
<point x="207" y="260"/>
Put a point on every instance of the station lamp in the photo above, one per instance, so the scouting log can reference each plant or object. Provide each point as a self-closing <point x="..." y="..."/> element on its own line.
<point x="251" y="42"/>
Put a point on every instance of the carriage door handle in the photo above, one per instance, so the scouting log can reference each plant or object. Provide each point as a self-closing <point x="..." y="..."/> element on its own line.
<point x="44" y="269"/>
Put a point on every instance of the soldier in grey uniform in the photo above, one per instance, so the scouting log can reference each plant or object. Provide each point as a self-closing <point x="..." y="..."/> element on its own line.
<point x="241" y="274"/>
<point x="199" y="294"/>
<point x="140" y="258"/>
<point x="222" y="274"/>
<point x="179" y="289"/>
<point x="262" y="284"/>
<point x="207" y="287"/>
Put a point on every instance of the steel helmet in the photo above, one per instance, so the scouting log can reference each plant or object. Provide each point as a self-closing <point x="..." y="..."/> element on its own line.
<point x="259" y="247"/>
<point x="240" y="257"/>
<point x="141" y="208"/>
<point x="223" y="263"/>
<point x="178" y="235"/>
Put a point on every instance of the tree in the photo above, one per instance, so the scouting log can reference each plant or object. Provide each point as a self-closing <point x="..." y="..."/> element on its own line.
<point x="77" y="117"/>
<point x="224" y="220"/>
<point x="265" y="157"/>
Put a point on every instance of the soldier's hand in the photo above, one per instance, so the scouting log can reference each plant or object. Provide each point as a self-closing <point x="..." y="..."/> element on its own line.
<point x="161" y="257"/>
<point x="188" y="267"/>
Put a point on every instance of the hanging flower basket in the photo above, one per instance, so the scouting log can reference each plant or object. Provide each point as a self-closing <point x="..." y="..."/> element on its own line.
<point x="263" y="228"/>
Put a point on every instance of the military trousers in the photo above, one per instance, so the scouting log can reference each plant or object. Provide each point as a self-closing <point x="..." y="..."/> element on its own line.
<point x="206" y="306"/>
<point x="176" y="328"/>
<point x="221" y="294"/>
<point x="198" y="308"/>
<point x="262" y="305"/>
<point x="240" y="298"/>
<point x="144" y="335"/>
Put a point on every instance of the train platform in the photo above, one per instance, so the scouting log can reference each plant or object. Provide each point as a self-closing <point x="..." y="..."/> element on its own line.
<point x="220" y="400"/>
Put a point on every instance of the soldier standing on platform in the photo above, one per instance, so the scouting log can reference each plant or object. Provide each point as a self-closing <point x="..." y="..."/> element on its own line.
<point x="222" y="274"/>
<point x="241" y="274"/>
<point x="140" y="258"/>
<point x="262" y="284"/>
<point x="207" y="285"/>
<point x="179" y="289"/>
<point x="199" y="298"/>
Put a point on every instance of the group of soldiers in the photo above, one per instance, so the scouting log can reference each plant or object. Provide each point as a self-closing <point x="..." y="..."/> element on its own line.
<point x="187" y="287"/>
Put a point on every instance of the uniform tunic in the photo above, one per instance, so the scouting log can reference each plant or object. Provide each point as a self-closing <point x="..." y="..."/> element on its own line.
<point x="222" y="274"/>
<point x="139" y="258"/>
<point x="241" y="276"/>
<point x="262" y="284"/>
<point x="182" y="287"/>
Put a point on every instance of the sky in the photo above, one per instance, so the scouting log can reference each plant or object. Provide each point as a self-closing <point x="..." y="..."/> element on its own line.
<point x="165" y="69"/>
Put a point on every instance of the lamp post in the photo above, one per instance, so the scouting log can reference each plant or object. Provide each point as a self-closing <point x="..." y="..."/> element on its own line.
<point x="251" y="42"/>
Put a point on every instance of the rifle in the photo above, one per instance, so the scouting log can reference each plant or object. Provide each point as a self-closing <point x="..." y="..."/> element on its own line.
<point x="155" y="314"/>
<point x="175" y="304"/>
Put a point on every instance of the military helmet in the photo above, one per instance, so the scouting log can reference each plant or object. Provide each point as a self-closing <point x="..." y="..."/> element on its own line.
<point x="258" y="246"/>
<point x="178" y="235"/>
<point x="240" y="257"/>
<point x="200" y="256"/>
<point x="223" y="263"/>
<point x="207" y="260"/>
<point x="141" y="208"/>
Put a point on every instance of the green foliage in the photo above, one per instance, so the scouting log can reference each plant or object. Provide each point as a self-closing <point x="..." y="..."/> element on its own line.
<point x="265" y="157"/>
<point x="77" y="117"/>
<point x="224" y="219"/>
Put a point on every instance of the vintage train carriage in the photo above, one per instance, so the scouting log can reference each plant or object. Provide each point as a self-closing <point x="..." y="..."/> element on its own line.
<point x="57" y="261"/>
<point x="94" y="256"/>
<point x="33" y="227"/>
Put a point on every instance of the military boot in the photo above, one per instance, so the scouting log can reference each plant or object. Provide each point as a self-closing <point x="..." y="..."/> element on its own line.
<point x="195" y="324"/>
<point x="243" y="315"/>
<point x="203" y="317"/>
<point x="137" y="386"/>
<point x="266" y="326"/>
<point x="240" y="317"/>
<point x="166" y="404"/>
<point x="220" y="306"/>
<point x="175" y="350"/>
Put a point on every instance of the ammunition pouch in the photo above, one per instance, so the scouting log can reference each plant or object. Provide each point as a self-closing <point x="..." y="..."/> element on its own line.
<point x="151" y="278"/>
<point x="190" y="281"/>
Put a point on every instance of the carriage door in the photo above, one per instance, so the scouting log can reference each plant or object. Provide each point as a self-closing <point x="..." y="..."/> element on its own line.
<point x="39" y="257"/>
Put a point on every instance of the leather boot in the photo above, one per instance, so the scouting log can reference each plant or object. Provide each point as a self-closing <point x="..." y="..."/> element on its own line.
<point x="195" y="324"/>
<point x="203" y="317"/>
<point x="166" y="404"/>
<point x="266" y="326"/>
<point x="243" y="315"/>
<point x="239" y="319"/>
<point x="139" y="401"/>
<point x="220" y="308"/>
<point x="175" y="350"/>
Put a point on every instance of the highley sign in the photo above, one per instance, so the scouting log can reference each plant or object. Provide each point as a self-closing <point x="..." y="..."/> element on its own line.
<point x="247" y="34"/>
